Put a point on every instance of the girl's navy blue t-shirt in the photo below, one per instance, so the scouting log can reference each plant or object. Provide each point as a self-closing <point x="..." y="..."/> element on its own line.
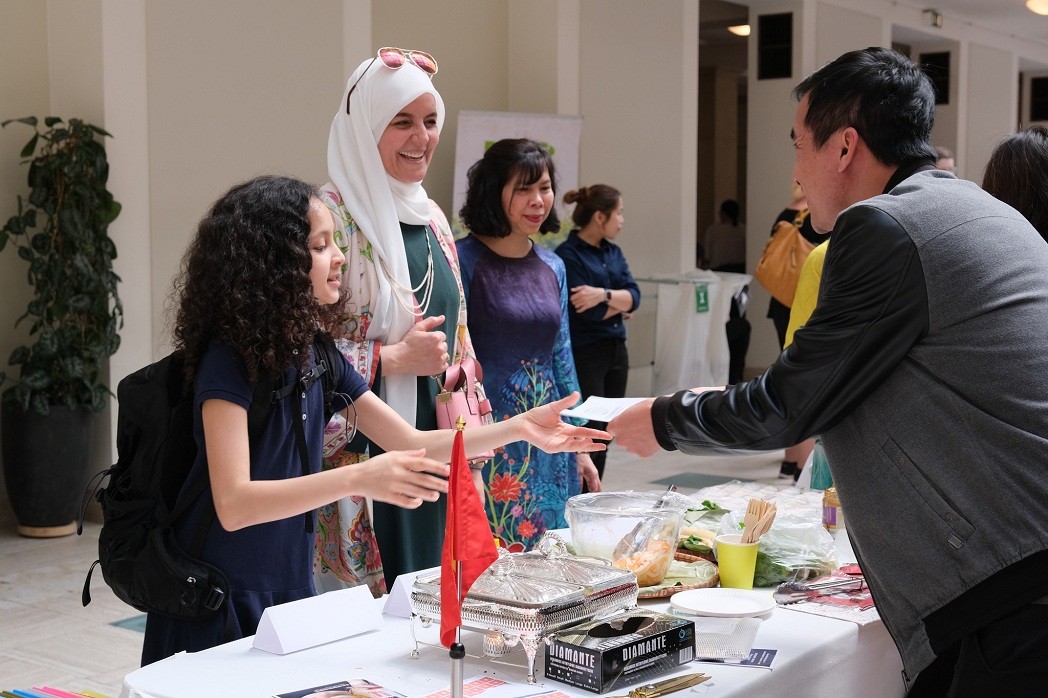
<point x="268" y="563"/>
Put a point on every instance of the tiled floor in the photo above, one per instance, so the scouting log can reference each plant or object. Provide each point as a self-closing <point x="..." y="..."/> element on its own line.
<point x="49" y="638"/>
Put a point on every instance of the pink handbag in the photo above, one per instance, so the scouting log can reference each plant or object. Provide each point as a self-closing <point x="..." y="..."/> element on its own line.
<point x="462" y="395"/>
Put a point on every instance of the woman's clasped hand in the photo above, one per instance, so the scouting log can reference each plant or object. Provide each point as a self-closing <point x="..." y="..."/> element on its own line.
<point x="423" y="351"/>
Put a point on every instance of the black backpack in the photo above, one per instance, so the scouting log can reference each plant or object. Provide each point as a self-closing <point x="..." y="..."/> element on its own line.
<point x="139" y="556"/>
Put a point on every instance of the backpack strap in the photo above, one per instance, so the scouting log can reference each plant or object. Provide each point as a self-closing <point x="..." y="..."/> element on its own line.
<point x="300" y="444"/>
<point x="330" y="359"/>
<point x="327" y="368"/>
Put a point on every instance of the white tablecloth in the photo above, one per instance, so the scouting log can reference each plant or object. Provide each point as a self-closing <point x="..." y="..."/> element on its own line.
<point x="691" y="347"/>
<point x="816" y="657"/>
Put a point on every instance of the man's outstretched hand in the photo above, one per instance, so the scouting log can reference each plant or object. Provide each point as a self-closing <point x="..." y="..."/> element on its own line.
<point x="633" y="431"/>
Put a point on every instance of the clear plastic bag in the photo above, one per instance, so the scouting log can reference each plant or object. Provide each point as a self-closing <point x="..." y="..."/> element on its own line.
<point x="821" y="478"/>
<point x="796" y="548"/>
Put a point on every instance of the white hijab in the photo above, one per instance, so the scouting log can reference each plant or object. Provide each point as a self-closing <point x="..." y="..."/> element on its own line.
<point x="377" y="201"/>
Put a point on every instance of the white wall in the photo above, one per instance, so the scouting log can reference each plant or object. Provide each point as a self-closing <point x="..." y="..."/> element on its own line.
<point x="841" y="29"/>
<point x="254" y="95"/>
<point x="994" y="114"/>
<point x="24" y="91"/>
<point x="126" y="108"/>
<point x="638" y="134"/>
<point x="75" y="56"/>
<point x="532" y="70"/>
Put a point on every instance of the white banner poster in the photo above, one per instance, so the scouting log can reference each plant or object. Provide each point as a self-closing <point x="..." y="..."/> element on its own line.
<point x="477" y="130"/>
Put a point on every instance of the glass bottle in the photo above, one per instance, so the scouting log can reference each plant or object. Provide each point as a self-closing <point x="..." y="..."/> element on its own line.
<point x="832" y="516"/>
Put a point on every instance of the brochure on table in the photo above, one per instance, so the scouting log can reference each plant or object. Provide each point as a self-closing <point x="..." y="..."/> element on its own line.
<point x="343" y="689"/>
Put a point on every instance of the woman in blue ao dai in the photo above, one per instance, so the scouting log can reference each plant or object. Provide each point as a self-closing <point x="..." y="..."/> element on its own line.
<point x="516" y="294"/>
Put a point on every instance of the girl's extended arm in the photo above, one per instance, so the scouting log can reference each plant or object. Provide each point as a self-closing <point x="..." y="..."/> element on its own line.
<point x="542" y="426"/>
<point x="401" y="478"/>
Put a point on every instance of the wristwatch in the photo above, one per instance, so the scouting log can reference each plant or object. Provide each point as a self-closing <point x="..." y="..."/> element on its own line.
<point x="607" y="296"/>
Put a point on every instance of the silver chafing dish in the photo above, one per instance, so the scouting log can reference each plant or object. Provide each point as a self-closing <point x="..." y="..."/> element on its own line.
<point x="524" y="597"/>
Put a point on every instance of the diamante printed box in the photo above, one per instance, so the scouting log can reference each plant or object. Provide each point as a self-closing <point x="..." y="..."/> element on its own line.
<point x="629" y="648"/>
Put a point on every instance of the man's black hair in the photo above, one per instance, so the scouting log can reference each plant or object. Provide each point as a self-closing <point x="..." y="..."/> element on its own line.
<point x="882" y="94"/>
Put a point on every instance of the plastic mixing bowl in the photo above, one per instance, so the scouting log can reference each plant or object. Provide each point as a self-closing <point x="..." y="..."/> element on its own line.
<point x="637" y="531"/>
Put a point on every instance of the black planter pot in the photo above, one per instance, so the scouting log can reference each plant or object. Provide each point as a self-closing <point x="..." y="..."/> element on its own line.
<point x="45" y="467"/>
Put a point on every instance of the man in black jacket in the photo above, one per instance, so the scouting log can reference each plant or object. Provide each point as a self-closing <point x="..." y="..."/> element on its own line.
<point x="924" y="367"/>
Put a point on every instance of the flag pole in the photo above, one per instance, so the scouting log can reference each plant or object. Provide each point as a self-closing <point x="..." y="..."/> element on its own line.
<point x="457" y="651"/>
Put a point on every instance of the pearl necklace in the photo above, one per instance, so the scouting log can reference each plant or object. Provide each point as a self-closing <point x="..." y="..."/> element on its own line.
<point x="425" y="285"/>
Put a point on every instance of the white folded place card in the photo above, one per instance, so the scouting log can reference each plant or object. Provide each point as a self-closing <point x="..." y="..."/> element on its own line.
<point x="298" y="625"/>
<point x="398" y="602"/>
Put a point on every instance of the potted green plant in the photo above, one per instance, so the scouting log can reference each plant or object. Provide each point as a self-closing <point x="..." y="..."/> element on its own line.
<point x="61" y="231"/>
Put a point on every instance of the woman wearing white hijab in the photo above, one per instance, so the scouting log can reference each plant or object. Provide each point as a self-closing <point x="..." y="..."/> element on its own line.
<point x="405" y="302"/>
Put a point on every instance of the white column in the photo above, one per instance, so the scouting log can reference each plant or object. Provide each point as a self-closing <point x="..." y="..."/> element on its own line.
<point x="991" y="107"/>
<point x="126" y="116"/>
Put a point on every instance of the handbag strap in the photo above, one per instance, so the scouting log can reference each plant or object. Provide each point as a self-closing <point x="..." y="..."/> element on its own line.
<point x="465" y="374"/>
<point x="453" y="377"/>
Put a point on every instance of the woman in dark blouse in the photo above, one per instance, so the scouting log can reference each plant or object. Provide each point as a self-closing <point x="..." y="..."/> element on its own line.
<point x="603" y="294"/>
<point x="517" y="299"/>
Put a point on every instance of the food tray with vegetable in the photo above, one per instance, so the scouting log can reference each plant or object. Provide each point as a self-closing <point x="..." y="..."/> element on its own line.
<point x="797" y="546"/>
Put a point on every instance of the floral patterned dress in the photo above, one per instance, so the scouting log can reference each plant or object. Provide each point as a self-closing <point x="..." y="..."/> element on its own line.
<point x="519" y="323"/>
<point x="347" y="550"/>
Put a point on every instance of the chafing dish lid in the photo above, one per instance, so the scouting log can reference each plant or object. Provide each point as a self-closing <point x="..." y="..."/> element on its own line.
<point x="585" y="571"/>
<point x="533" y="580"/>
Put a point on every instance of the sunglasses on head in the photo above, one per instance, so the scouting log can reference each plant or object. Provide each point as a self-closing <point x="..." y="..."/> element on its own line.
<point x="394" y="58"/>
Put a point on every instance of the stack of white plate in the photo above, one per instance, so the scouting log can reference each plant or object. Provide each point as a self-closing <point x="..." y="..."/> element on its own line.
<point x="721" y="603"/>
<point x="726" y="620"/>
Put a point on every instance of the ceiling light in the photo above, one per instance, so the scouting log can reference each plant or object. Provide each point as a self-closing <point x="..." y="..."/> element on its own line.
<point x="1038" y="6"/>
<point x="744" y="29"/>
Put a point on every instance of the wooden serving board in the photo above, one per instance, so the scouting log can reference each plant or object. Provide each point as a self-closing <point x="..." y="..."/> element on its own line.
<point x="704" y="575"/>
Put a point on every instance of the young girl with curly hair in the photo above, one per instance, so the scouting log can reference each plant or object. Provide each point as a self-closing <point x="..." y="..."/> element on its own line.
<point x="260" y="281"/>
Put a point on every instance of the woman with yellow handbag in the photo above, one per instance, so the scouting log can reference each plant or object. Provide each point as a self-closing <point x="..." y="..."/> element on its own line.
<point x="796" y="214"/>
